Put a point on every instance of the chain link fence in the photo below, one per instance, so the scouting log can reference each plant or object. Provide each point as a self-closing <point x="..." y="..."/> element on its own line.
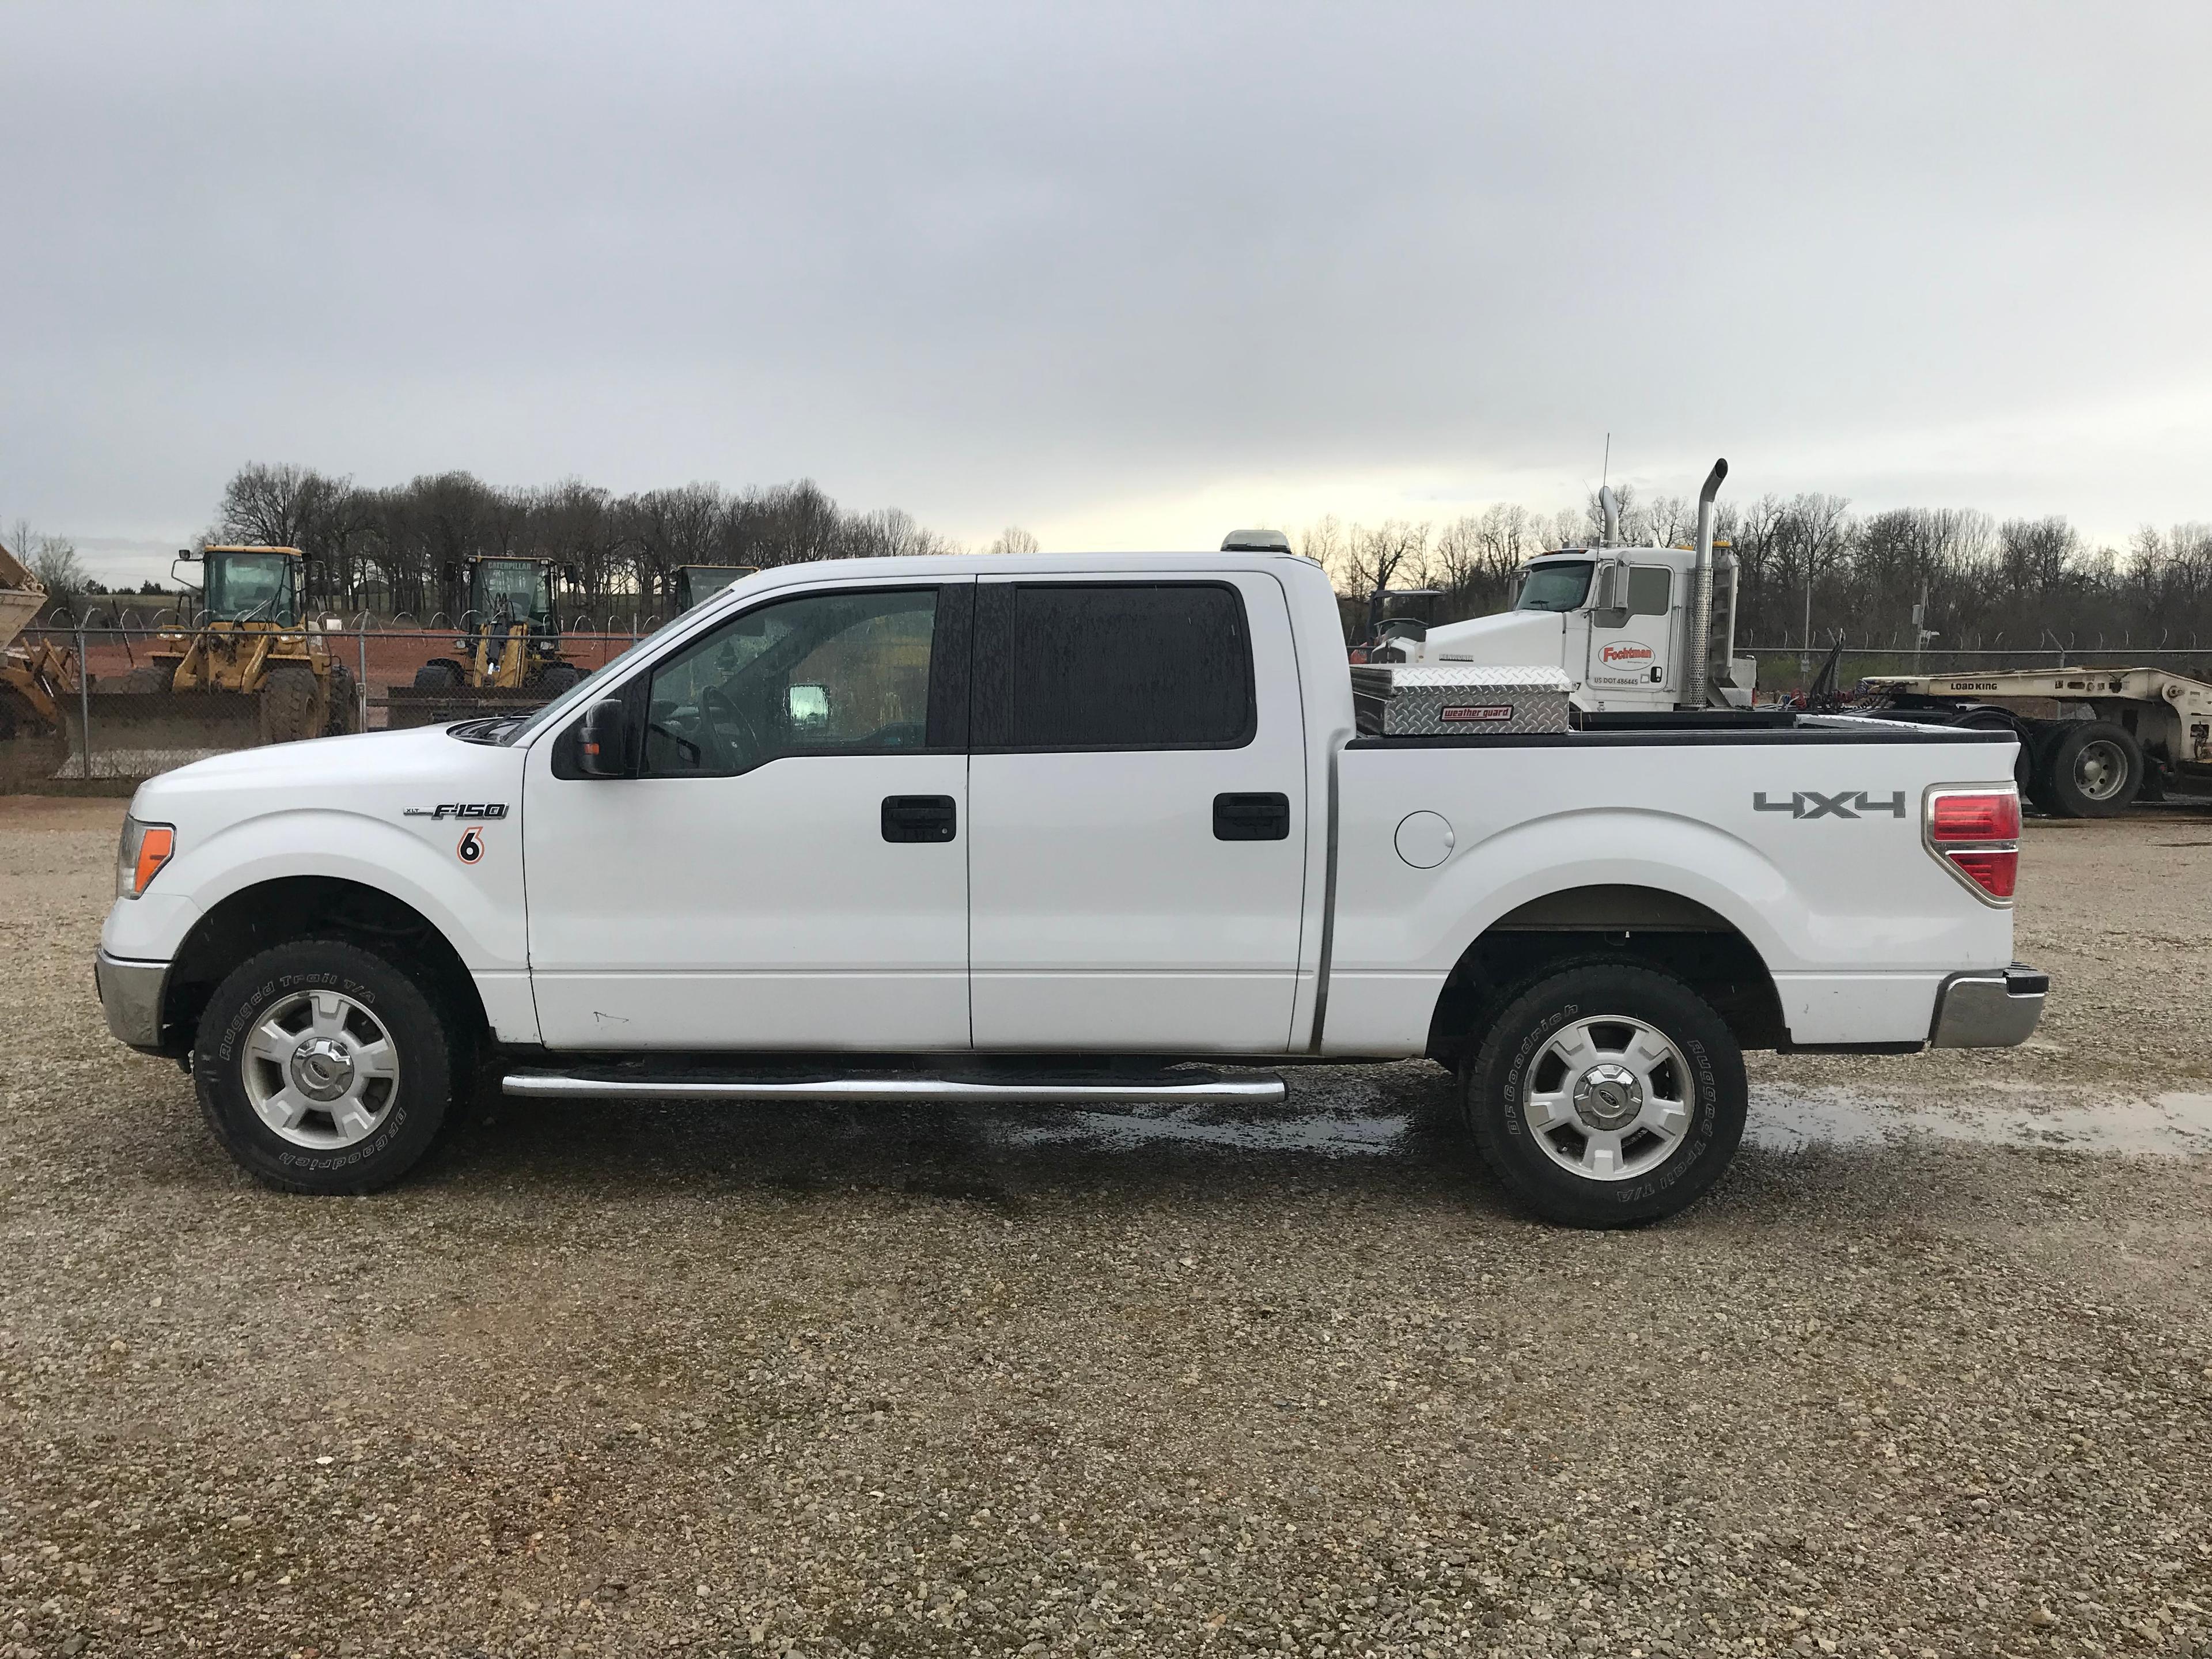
<point x="90" y="707"/>
<point x="94" y="708"/>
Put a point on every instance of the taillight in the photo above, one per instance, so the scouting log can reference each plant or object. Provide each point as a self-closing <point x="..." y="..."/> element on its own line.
<point x="1976" y="832"/>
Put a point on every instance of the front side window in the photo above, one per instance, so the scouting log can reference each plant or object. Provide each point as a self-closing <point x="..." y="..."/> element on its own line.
<point x="1126" y="665"/>
<point x="251" y="587"/>
<point x="1649" y="588"/>
<point x="1555" y="586"/>
<point x="837" y="674"/>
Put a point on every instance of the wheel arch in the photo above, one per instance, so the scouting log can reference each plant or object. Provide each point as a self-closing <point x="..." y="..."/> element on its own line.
<point x="285" y="908"/>
<point x="1631" y="923"/>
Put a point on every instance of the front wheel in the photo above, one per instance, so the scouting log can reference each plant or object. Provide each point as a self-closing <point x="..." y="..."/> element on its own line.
<point x="322" y="1069"/>
<point x="1606" y="1095"/>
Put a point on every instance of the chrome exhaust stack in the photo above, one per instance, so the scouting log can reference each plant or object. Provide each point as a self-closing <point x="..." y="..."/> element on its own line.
<point x="1609" y="506"/>
<point x="1696" y="673"/>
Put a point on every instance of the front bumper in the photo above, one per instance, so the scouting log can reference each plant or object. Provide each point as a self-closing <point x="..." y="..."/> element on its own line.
<point x="130" y="997"/>
<point x="1989" y="1008"/>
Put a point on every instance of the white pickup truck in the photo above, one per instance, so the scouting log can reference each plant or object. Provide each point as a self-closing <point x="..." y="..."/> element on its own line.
<point x="1054" y="829"/>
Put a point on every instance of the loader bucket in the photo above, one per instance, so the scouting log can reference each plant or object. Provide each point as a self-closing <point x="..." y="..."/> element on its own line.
<point x="139" y="733"/>
<point x="406" y="705"/>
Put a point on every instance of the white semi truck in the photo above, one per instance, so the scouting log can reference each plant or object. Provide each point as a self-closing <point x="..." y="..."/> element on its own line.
<point x="1047" y="829"/>
<point x="1636" y="630"/>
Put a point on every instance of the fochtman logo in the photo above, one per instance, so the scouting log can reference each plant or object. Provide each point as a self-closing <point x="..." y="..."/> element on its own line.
<point x="1625" y="654"/>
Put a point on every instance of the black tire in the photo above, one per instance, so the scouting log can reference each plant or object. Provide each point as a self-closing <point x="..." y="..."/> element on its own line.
<point x="149" y="676"/>
<point x="430" y="1061"/>
<point x="439" y="674"/>
<point x="556" y="677"/>
<point x="287" y="702"/>
<point x="1996" y="720"/>
<point x="2035" y="756"/>
<point x="345" y="705"/>
<point x="2096" y="770"/>
<point x="1492" y="1096"/>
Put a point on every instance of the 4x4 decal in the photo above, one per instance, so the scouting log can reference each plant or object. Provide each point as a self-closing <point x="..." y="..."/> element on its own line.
<point x="1845" y="803"/>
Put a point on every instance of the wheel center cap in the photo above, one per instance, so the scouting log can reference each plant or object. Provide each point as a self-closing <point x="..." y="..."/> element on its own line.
<point x="1609" y="1097"/>
<point x="322" y="1068"/>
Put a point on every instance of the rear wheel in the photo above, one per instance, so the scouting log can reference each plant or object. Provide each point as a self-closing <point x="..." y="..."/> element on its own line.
<point x="149" y="676"/>
<point x="324" y="1068"/>
<point x="557" y="677"/>
<point x="2096" y="770"/>
<point x="1606" y="1095"/>
<point x="439" y="674"/>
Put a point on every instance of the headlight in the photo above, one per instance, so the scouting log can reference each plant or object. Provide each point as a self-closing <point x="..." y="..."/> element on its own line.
<point x="145" y="849"/>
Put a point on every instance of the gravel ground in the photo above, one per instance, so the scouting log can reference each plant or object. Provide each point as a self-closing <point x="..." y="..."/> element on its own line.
<point x="614" y="1380"/>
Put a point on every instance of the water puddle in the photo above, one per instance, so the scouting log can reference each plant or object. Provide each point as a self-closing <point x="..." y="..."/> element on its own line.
<point x="1787" y="1119"/>
<point x="1783" y="1119"/>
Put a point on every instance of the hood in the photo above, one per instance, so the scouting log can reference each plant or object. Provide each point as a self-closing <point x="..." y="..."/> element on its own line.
<point x="377" y="773"/>
<point x="1512" y="639"/>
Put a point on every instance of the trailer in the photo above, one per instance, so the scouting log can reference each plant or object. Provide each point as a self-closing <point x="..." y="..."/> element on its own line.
<point x="2092" y="740"/>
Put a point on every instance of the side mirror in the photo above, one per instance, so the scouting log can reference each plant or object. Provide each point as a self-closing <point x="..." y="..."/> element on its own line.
<point x="571" y="576"/>
<point x="808" y="705"/>
<point x="451" y="571"/>
<point x="603" y="746"/>
<point x="1611" y="591"/>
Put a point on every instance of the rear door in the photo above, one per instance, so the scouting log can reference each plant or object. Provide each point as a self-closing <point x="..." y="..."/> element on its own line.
<point x="1137" y="793"/>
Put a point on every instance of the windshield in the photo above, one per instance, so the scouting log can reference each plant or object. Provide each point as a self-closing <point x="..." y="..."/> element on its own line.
<point x="1554" y="587"/>
<point x="512" y="590"/>
<point x="251" y="587"/>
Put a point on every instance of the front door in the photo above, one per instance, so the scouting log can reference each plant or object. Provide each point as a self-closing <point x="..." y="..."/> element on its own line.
<point x="1629" y="655"/>
<point x="789" y="868"/>
<point x="1137" y="851"/>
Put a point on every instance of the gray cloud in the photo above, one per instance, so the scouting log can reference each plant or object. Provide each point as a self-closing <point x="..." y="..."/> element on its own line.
<point x="1115" y="271"/>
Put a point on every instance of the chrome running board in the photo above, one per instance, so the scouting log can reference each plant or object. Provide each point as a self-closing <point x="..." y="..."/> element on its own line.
<point x="1065" y="1088"/>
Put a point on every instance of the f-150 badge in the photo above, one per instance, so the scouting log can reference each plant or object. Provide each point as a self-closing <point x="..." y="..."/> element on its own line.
<point x="1845" y="803"/>
<point x="497" y="809"/>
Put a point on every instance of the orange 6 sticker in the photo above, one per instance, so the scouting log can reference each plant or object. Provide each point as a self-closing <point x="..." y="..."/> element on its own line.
<point x="471" y="849"/>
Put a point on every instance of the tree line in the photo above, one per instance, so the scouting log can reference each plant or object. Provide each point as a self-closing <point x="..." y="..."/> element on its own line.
<point x="2014" y="585"/>
<point x="405" y="548"/>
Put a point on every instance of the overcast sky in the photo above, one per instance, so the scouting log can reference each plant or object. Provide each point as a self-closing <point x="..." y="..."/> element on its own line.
<point x="1128" y="275"/>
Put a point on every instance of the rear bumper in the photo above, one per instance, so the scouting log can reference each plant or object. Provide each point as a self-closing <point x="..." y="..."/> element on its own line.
<point x="130" y="997"/>
<point x="1989" y="1009"/>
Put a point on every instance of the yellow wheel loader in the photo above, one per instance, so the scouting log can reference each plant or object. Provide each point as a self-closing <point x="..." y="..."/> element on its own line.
<point x="36" y="681"/>
<point x="252" y="670"/>
<point x="509" y="654"/>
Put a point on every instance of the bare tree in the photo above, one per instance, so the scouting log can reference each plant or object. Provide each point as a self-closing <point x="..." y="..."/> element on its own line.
<point x="1013" y="539"/>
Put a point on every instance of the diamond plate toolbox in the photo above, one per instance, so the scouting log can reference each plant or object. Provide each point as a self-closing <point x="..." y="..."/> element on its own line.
<point x="1418" y="700"/>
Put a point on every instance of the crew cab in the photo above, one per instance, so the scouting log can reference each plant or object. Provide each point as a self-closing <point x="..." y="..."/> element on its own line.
<point x="1054" y="829"/>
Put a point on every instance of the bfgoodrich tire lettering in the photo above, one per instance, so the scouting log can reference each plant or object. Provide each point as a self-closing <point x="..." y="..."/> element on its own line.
<point x="319" y="976"/>
<point x="1671" y="1110"/>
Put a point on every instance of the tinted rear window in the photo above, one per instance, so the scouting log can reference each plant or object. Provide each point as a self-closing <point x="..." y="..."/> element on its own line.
<point x="1128" y="666"/>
